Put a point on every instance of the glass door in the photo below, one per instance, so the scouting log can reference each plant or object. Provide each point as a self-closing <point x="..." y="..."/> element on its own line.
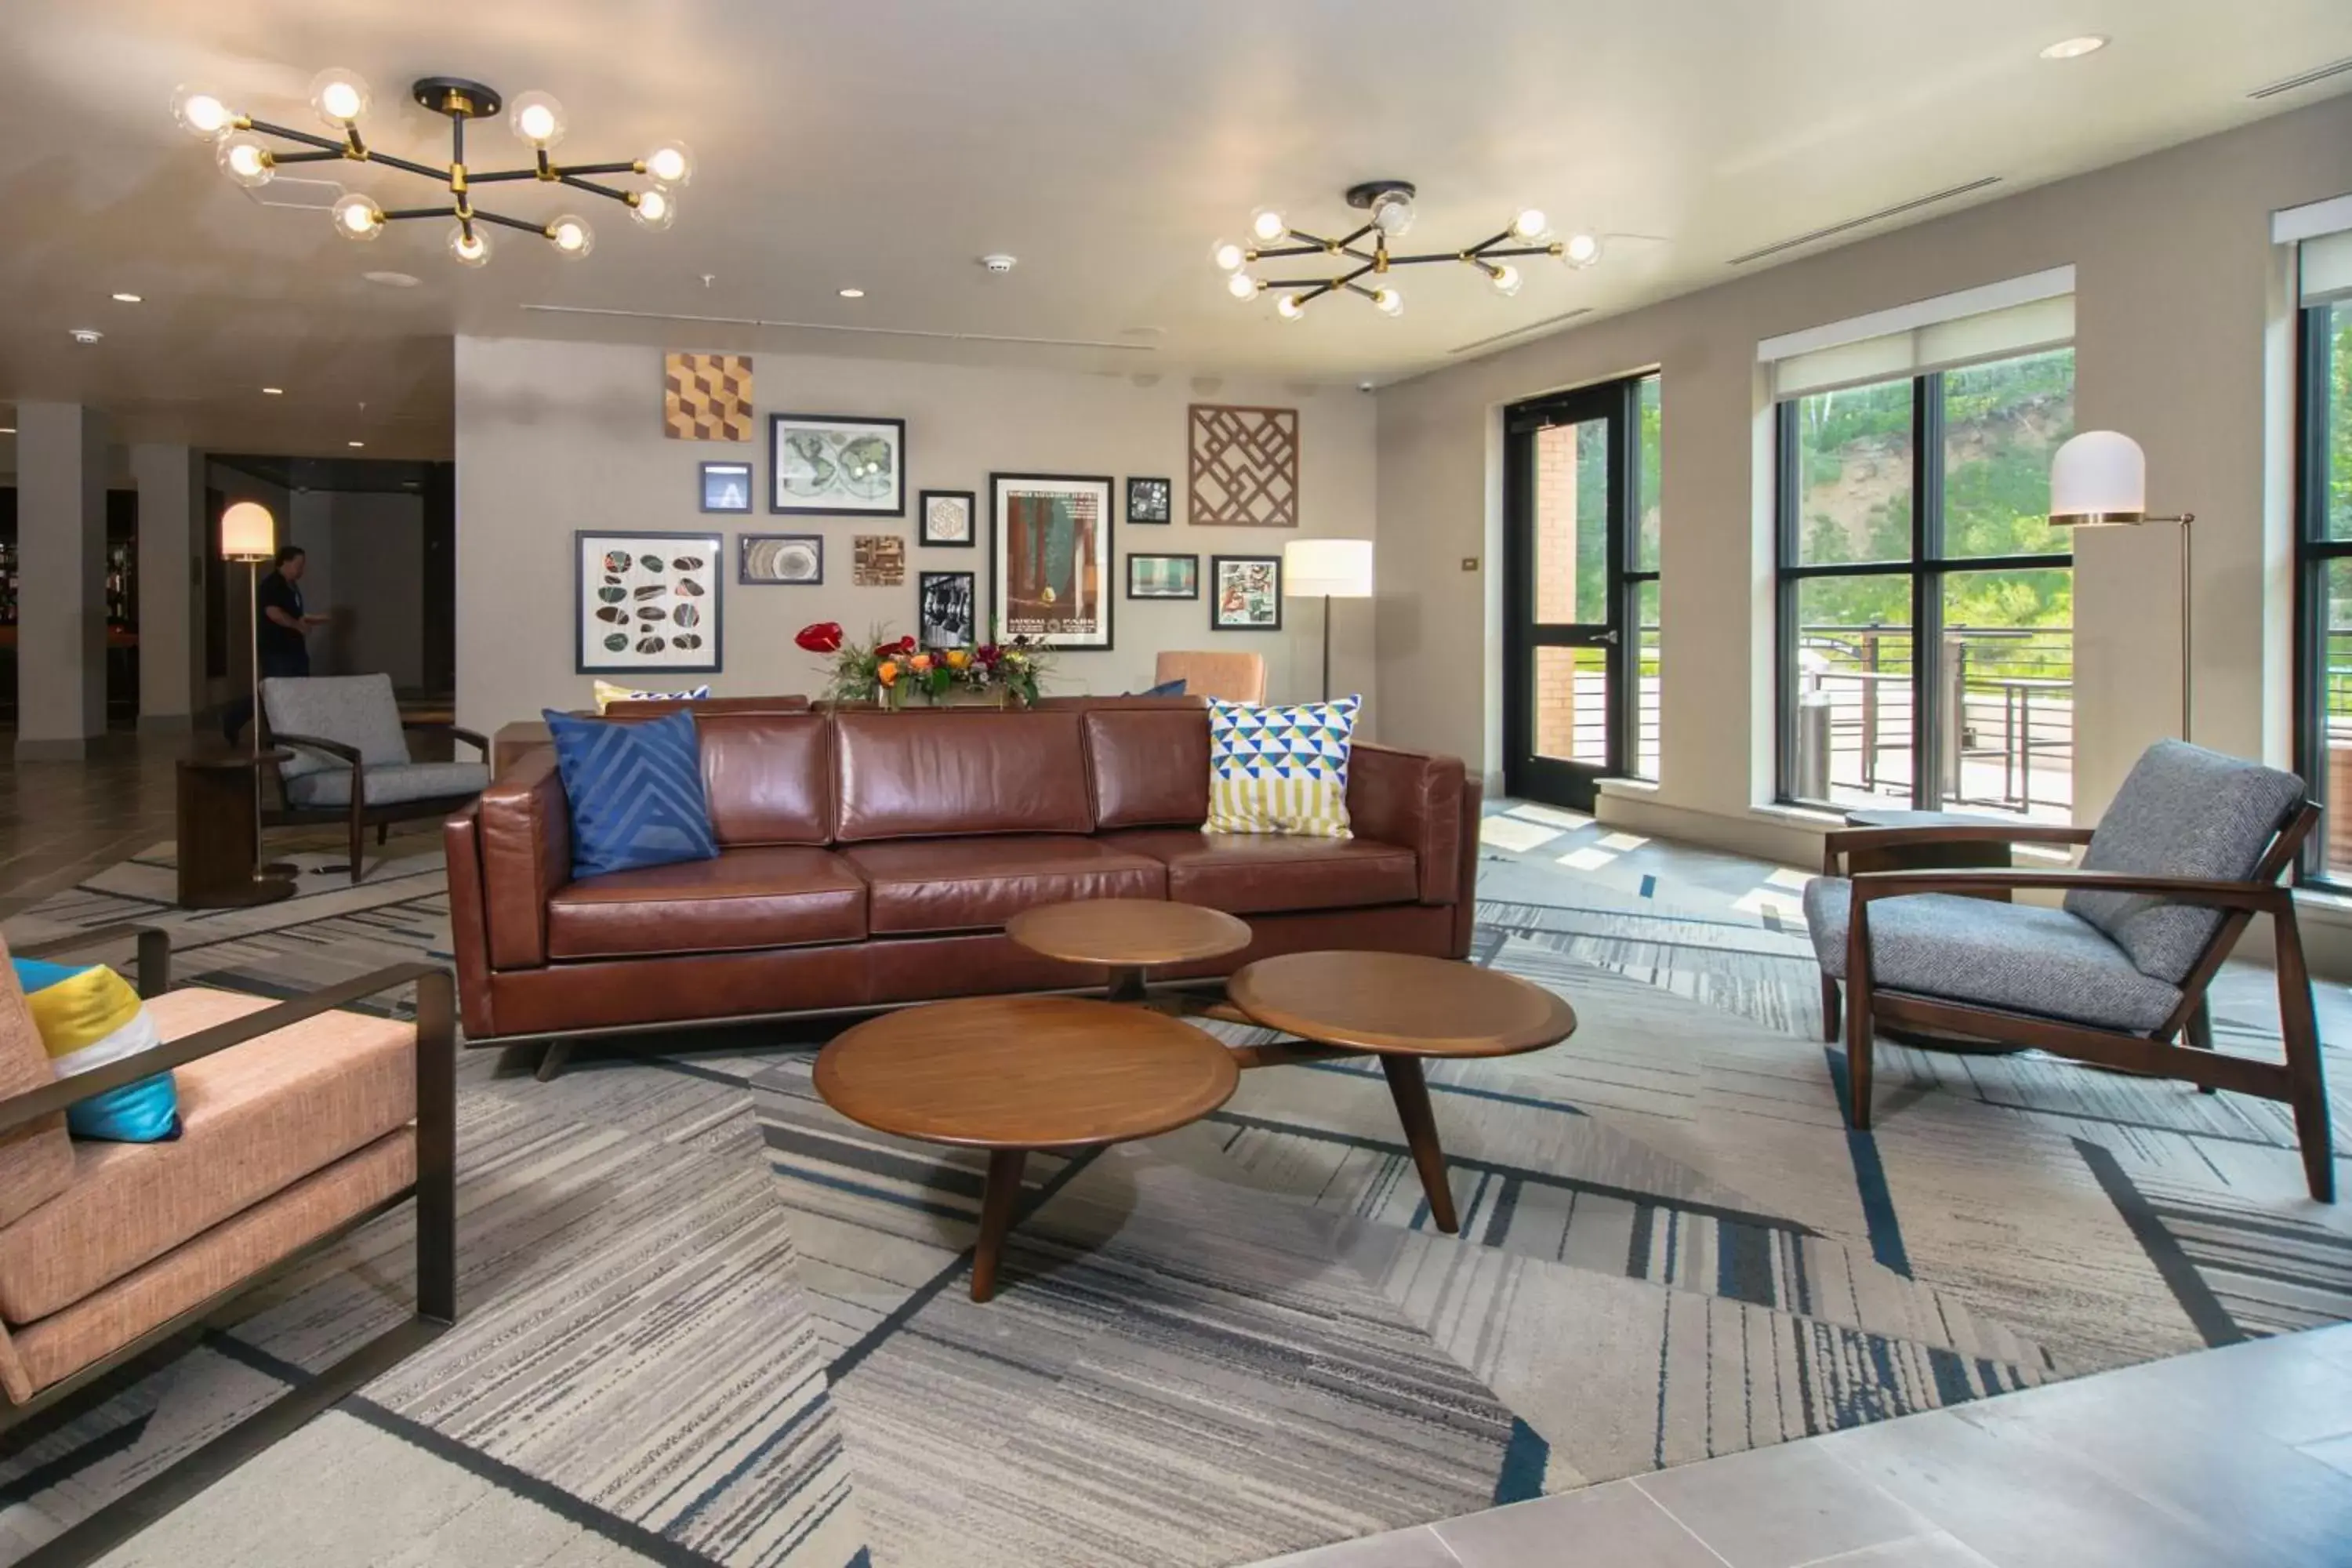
<point x="1570" y="697"/>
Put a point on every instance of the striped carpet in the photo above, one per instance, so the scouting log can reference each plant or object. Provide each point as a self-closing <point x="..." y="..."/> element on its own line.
<point x="710" y="1321"/>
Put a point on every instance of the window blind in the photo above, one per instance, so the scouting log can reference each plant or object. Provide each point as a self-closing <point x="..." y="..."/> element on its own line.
<point x="2000" y="321"/>
<point x="2321" y="233"/>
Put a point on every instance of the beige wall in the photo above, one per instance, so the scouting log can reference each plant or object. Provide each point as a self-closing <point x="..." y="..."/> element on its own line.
<point x="554" y="436"/>
<point x="2182" y="340"/>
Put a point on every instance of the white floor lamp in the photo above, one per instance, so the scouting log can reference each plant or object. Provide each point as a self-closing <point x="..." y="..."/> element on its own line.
<point x="2099" y="479"/>
<point x="248" y="534"/>
<point x="1328" y="569"/>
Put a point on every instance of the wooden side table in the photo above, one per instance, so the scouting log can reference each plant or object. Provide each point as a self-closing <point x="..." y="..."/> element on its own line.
<point x="219" y="840"/>
<point x="1130" y="937"/>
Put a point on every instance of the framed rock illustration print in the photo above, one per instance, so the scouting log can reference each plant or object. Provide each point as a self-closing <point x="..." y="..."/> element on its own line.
<point x="647" y="601"/>
<point x="1050" y="557"/>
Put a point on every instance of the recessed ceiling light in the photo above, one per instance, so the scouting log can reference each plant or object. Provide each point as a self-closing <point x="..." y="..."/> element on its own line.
<point x="2075" y="48"/>
<point x="392" y="279"/>
<point x="355" y="442"/>
<point x="87" y="334"/>
<point x="273" y="391"/>
<point x="128" y="299"/>
<point x="852" y="293"/>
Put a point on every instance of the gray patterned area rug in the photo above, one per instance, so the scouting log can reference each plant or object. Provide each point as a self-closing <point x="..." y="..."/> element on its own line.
<point x="710" y="1321"/>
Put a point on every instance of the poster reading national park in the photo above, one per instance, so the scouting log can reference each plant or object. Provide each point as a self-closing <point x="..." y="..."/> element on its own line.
<point x="1050" y="535"/>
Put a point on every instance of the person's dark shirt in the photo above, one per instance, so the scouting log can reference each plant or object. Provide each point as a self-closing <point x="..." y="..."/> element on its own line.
<point x="278" y="642"/>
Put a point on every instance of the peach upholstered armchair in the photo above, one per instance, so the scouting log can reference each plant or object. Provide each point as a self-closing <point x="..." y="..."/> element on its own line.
<point x="298" y="1121"/>
<point x="1232" y="676"/>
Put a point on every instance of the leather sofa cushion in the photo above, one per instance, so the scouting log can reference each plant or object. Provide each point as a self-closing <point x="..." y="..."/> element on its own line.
<point x="1265" y="873"/>
<point x="768" y="777"/>
<point x="773" y="896"/>
<point x="921" y="776"/>
<point x="1149" y="766"/>
<point x="253" y="1119"/>
<point x="978" y="884"/>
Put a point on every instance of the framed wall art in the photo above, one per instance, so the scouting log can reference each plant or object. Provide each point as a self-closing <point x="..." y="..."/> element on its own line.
<point x="1050" y="557"/>
<point x="947" y="611"/>
<point x="948" y="517"/>
<point x="790" y="560"/>
<point x="727" y="487"/>
<point x="877" y="561"/>
<point x="1245" y="593"/>
<point x="706" y="397"/>
<point x="647" y="601"/>
<point x="837" y="465"/>
<point x="1150" y="501"/>
<point x="1163" y="577"/>
<point x="1244" y="466"/>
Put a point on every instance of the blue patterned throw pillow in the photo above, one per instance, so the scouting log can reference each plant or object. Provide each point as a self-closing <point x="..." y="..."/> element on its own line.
<point x="1281" y="770"/>
<point x="635" y="792"/>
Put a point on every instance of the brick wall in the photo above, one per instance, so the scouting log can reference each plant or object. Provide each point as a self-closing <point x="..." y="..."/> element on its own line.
<point x="1555" y="557"/>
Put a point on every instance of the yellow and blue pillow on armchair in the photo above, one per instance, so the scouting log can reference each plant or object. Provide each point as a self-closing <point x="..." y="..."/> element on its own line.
<point x="86" y="1018"/>
<point x="1281" y="770"/>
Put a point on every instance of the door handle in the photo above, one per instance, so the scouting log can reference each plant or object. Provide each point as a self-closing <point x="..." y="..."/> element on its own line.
<point x="1609" y="637"/>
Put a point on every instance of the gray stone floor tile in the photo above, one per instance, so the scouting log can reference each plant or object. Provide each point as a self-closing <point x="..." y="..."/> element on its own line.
<point x="1936" y="1550"/>
<point x="1612" y="1526"/>
<point x="2274" y="1388"/>
<point x="1416" y="1548"/>
<point x="2336" y="1453"/>
<point x="1775" y="1508"/>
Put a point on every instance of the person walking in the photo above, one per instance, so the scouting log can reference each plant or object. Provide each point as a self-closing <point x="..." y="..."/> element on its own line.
<point x="280" y="635"/>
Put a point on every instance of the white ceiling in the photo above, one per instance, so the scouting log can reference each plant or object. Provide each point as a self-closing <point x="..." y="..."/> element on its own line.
<point x="1104" y="143"/>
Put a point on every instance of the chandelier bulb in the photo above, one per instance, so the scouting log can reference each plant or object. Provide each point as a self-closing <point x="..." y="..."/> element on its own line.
<point x="655" y="209"/>
<point x="1267" y="226"/>
<point x="245" y="159"/>
<point x="357" y="217"/>
<point x="1289" y="308"/>
<point x="202" y="114"/>
<point x="1228" y="257"/>
<point x="1388" y="301"/>
<point x="671" y="164"/>
<point x="1505" y="280"/>
<point x="1580" y="250"/>
<point x="538" y="119"/>
<point x="470" y="249"/>
<point x="1392" y="213"/>
<point x="338" y="96"/>
<point x="1531" y="226"/>
<point x="1242" y="286"/>
<point x="571" y="235"/>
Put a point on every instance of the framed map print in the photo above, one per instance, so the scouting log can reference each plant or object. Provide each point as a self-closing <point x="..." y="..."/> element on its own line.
<point x="837" y="465"/>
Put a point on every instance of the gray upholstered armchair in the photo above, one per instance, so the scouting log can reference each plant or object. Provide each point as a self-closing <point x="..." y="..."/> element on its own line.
<point x="351" y="760"/>
<point x="2192" y="850"/>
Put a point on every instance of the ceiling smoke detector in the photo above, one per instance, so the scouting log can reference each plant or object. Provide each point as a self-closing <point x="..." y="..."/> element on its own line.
<point x="999" y="263"/>
<point x="87" y="334"/>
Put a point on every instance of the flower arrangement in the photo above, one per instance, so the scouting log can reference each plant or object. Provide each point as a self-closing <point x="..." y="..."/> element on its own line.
<point x="889" y="671"/>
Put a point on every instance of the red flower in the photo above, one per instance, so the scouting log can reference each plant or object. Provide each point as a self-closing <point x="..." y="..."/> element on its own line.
<point x="823" y="637"/>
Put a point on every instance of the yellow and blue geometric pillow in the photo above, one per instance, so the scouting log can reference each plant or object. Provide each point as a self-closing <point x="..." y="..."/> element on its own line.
<point x="1280" y="770"/>
<point x="86" y="1018"/>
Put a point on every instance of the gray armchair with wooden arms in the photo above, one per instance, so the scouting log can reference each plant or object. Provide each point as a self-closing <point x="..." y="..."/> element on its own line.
<point x="2190" y="850"/>
<point x="351" y="760"/>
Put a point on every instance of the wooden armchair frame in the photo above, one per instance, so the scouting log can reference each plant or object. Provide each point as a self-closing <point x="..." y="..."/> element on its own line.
<point x="359" y="814"/>
<point x="2299" y="1081"/>
<point x="435" y="1191"/>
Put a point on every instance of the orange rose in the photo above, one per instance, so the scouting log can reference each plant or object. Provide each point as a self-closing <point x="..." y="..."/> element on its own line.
<point x="957" y="658"/>
<point x="886" y="673"/>
<point x="921" y="664"/>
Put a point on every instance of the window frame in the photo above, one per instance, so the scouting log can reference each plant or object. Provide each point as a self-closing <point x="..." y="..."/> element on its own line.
<point x="2314" y="551"/>
<point x="1926" y="567"/>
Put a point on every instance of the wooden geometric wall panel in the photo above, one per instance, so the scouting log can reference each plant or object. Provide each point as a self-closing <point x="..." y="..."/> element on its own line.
<point x="1244" y="468"/>
<point x="706" y="397"/>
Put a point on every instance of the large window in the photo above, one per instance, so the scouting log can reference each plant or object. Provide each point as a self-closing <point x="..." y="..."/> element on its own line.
<point x="1927" y="605"/>
<point x="2325" y="583"/>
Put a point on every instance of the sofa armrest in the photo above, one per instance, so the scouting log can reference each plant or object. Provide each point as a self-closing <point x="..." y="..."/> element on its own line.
<point x="155" y="965"/>
<point x="1411" y="799"/>
<point x="524" y="824"/>
<point x="473" y="738"/>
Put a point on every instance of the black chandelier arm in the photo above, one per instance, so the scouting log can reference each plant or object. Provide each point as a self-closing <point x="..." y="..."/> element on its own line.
<point x="478" y="216"/>
<point x="492" y="176"/>
<point x="289" y="134"/>
<point x="625" y="197"/>
<point x="333" y="157"/>
<point x="419" y="212"/>
<point x="626" y="166"/>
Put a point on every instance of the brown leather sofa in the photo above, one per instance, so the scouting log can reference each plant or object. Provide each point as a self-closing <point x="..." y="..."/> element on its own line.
<point x="868" y="859"/>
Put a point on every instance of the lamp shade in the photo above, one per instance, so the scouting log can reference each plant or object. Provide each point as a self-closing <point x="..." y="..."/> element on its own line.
<point x="2100" y="476"/>
<point x="248" y="532"/>
<point x="1328" y="568"/>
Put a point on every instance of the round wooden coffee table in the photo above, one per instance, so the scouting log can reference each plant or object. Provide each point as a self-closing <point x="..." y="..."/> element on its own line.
<point x="1401" y="1007"/>
<point x="1010" y="1074"/>
<point x="1128" y="936"/>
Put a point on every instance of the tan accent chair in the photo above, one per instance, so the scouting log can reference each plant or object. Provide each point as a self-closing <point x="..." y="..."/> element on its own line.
<point x="1232" y="676"/>
<point x="298" y="1121"/>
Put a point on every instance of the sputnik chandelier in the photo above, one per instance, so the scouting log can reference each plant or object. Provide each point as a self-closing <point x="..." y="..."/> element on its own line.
<point x="339" y="98"/>
<point x="1389" y="203"/>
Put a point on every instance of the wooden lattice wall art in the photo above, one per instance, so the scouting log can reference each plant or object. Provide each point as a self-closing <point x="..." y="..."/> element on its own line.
<point x="706" y="397"/>
<point x="1244" y="466"/>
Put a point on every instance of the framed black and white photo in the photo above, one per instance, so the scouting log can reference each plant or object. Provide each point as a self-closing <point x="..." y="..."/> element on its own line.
<point x="1150" y="501"/>
<point x="946" y="614"/>
<point x="647" y="601"/>
<point x="727" y="487"/>
<point x="790" y="560"/>
<point x="1245" y="593"/>
<point x="1050" y="557"/>
<point x="949" y="518"/>
<point x="836" y="465"/>
<point x="1163" y="577"/>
